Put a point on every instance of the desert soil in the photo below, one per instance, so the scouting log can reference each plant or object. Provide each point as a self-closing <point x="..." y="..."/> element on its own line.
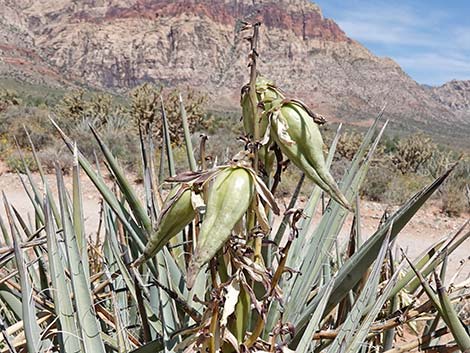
<point x="428" y="225"/>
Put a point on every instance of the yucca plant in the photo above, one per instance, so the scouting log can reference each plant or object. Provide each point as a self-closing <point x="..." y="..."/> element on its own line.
<point x="206" y="270"/>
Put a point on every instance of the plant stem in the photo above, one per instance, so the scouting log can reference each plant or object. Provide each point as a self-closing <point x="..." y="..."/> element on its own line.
<point x="254" y="113"/>
<point x="274" y="282"/>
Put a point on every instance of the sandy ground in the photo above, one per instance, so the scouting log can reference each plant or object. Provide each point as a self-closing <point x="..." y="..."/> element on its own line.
<point x="425" y="228"/>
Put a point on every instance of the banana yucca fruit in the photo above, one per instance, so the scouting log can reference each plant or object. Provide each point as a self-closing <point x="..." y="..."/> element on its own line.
<point x="177" y="213"/>
<point x="298" y="136"/>
<point x="228" y="200"/>
<point x="266" y="94"/>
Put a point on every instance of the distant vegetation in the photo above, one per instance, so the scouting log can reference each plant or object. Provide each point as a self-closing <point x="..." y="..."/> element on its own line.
<point x="402" y="164"/>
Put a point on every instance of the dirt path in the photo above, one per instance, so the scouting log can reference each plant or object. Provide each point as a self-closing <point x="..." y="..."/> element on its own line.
<point x="424" y="229"/>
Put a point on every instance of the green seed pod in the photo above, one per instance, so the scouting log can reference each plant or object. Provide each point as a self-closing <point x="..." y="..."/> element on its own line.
<point x="266" y="94"/>
<point x="228" y="200"/>
<point x="177" y="213"/>
<point x="299" y="138"/>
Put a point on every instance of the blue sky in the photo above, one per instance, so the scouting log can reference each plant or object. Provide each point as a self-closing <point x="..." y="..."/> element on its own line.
<point x="429" y="39"/>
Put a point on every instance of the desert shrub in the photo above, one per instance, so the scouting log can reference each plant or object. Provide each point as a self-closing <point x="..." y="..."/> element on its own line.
<point x="16" y="161"/>
<point x="56" y="154"/>
<point x="454" y="195"/>
<point x="78" y="106"/>
<point x="454" y="200"/>
<point x="378" y="182"/>
<point x="348" y="144"/>
<point x="116" y="133"/>
<point x="145" y="111"/>
<point x="14" y="121"/>
<point x="413" y="152"/>
<point x="8" y="98"/>
<point x="401" y="186"/>
<point x="117" y="122"/>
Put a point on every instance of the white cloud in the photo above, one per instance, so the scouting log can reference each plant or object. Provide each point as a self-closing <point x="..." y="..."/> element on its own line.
<point x="386" y="24"/>
<point x="436" y="68"/>
<point x="461" y="37"/>
<point x="427" y="41"/>
<point x="383" y="33"/>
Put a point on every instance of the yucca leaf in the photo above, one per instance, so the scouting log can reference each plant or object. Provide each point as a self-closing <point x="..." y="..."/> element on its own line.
<point x="152" y="194"/>
<point x="451" y="318"/>
<point x="448" y="249"/>
<point x="389" y="335"/>
<point x="124" y="186"/>
<point x="45" y="183"/>
<point x="432" y="324"/>
<point x="5" y="234"/>
<point x="427" y="288"/>
<point x="77" y="212"/>
<point x="161" y="165"/>
<point x="363" y="331"/>
<point x="167" y="141"/>
<point x="198" y="291"/>
<point x="352" y="270"/>
<point x="6" y="337"/>
<point x="80" y="284"/>
<point x="124" y="216"/>
<point x="28" y="313"/>
<point x="353" y="320"/>
<point x="126" y="275"/>
<point x="187" y="137"/>
<point x="305" y="343"/>
<point x="421" y="261"/>
<point x="61" y="290"/>
<point x="168" y="312"/>
<point x="444" y="306"/>
<point x="151" y="347"/>
<point x="11" y="299"/>
<point x="322" y="239"/>
<point x="34" y="201"/>
<point x="122" y="342"/>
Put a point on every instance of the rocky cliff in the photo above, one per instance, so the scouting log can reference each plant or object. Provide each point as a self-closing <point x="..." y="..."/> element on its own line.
<point x="119" y="44"/>
<point x="456" y="96"/>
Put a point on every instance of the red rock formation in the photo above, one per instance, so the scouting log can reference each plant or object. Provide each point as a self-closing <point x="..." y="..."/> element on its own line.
<point x="118" y="44"/>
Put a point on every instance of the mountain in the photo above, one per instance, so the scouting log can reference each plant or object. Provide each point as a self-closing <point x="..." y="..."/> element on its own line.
<point x="20" y="59"/>
<point x="118" y="44"/>
<point x="456" y="96"/>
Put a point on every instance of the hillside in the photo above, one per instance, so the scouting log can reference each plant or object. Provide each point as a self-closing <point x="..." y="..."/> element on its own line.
<point x="118" y="44"/>
<point x="455" y="95"/>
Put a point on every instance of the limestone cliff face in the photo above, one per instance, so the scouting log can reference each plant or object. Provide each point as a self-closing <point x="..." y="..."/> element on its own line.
<point x="118" y="44"/>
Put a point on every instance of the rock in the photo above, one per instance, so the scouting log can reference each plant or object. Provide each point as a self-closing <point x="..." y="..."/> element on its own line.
<point x="455" y="95"/>
<point x="118" y="44"/>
